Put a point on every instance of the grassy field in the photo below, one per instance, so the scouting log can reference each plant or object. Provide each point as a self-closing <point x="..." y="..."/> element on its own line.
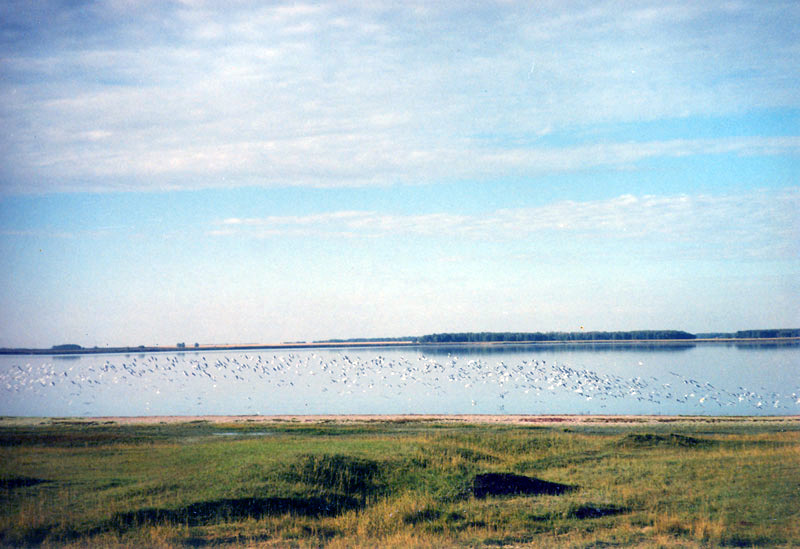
<point x="408" y="483"/>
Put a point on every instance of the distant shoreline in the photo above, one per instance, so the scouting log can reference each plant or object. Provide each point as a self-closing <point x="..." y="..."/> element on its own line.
<point x="391" y="343"/>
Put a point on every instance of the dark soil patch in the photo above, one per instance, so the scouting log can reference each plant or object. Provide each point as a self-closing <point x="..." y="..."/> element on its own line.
<point x="423" y="515"/>
<point x="649" y="440"/>
<point x="454" y="516"/>
<point x="34" y="537"/>
<point x="591" y="510"/>
<point x="20" y="482"/>
<point x="27" y="538"/>
<point x="208" y="512"/>
<point x="505" y="484"/>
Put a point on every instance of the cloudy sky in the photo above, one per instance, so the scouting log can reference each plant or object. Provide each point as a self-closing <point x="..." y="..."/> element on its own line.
<point x="262" y="172"/>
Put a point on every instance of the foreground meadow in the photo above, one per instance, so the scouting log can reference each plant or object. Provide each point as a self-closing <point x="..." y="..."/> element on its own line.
<point x="407" y="483"/>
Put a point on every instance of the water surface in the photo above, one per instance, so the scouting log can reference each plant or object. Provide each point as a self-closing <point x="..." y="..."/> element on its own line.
<point x="706" y="379"/>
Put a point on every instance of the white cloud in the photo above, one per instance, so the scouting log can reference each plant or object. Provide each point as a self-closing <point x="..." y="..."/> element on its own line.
<point x="361" y="159"/>
<point x="760" y="224"/>
<point x="376" y="94"/>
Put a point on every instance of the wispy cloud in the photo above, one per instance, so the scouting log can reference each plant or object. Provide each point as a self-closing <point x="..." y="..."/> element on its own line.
<point x="49" y="233"/>
<point x="150" y="96"/>
<point x="358" y="160"/>
<point x="36" y="234"/>
<point x="754" y="224"/>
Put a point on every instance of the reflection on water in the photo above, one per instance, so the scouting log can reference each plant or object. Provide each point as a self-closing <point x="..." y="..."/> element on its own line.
<point x="765" y="345"/>
<point x="692" y="378"/>
<point x="492" y="349"/>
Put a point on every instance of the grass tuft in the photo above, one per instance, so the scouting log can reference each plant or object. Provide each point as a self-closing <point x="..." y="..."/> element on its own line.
<point x="339" y="474"/>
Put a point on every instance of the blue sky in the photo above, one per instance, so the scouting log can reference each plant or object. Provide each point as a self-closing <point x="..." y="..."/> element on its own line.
<point x="262" y="172"/>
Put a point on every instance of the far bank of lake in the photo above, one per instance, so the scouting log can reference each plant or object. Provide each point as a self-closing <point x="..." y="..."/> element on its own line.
<point x="500" y="345"/>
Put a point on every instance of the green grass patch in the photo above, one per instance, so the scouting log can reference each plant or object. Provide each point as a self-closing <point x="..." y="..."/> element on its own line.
<point x="400" y="484"/>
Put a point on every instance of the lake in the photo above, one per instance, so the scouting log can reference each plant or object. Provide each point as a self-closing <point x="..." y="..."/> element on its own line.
<point x="663" y="379"/>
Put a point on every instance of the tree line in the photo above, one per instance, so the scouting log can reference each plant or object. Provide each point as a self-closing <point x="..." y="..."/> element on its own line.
<point x="582" y="336"/>
<point x="490" y="337"/>
<point x="785" y="332"/>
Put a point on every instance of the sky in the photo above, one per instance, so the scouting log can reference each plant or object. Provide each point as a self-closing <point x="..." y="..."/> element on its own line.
<point x="255" y="172"/>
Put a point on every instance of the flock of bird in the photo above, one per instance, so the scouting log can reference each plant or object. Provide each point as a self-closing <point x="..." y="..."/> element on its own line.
<point x="339" y="382"/>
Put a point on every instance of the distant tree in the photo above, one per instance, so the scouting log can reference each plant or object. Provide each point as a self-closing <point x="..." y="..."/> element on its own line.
<point x="487" y="337"/>
<point x="768" y="334"/>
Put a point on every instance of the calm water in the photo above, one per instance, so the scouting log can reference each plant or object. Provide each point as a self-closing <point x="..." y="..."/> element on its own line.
<point x="711" y="379"/>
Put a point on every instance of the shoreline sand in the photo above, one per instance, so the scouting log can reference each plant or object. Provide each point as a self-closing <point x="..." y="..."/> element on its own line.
<point x="504" y="419"/>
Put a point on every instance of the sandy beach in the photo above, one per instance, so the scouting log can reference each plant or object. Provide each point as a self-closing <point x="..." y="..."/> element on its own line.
<point x="506" y="419"/>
